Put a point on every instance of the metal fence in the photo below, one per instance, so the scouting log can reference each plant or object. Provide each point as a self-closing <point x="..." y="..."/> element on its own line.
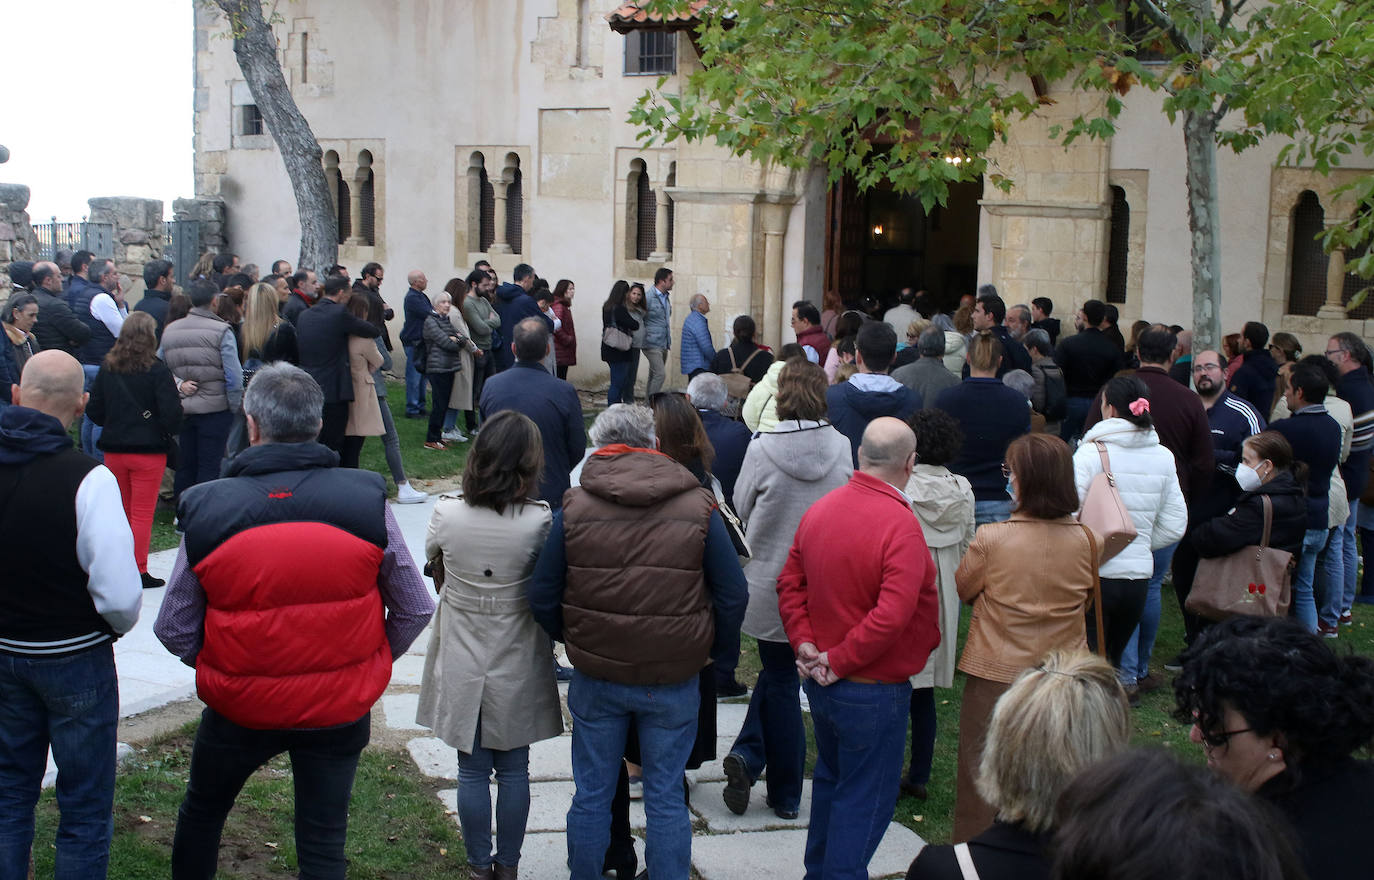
<point x="98" y="238"/>
<point x="182" y="247"/>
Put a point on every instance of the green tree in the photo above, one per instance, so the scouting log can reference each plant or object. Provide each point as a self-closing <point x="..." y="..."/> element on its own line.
<point x="834" y="82"/>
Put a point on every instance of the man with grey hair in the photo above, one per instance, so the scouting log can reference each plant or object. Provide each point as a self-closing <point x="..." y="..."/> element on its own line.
<point x="1182" y="369"/>
<point x="203" y="354"/>
<point x="620" y="424"/>
<point x="927" y="375"/>
<point x="861" y="616"/>
<point x="1018" y="321"/>
<point x="697" y="348"/>
<point x="99" y="303"/>
<point x="71" y="588"/>
<point x="291" y="649"/>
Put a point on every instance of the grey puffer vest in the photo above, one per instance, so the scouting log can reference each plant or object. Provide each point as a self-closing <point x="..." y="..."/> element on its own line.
<point x="190" y="348"/>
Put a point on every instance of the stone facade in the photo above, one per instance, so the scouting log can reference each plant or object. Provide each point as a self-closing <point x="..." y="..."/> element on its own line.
<point x="17" y="241"/>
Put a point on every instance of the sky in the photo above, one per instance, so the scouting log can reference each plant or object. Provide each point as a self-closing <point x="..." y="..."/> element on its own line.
<point x="102" y="106"/>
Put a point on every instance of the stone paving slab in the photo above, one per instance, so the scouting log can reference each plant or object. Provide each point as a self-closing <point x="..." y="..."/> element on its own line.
<point x="766" y="855"/>
<point x="400" y="709"/>
<point x="708" y="803"/>
<point x="550" y="760"/>
<point x="549" y="803"/>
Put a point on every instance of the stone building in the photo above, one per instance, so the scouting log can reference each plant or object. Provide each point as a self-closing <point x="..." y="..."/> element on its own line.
<point x="454" y="132"/>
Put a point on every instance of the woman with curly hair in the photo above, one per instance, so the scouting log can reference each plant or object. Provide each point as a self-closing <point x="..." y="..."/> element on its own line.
<point x="1280" y="714"/>
<point x="944" y="504"/>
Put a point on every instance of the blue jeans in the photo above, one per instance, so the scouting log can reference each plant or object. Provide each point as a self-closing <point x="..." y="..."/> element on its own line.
<point x="415" y="384"/>
<point x="991" y="511"/>
<point x="773" y="734"/>
<point x="1075" y="414"/>
<point x="1304" y="604"/>
<point x="512" y="801"/>
<point x="1330" y="578"/>
<point x="1135" y="659"/>
<point x="90" y="431"/>
<point x="1351" y="553"/>
<point x="620" y="371"/>
<point x="665" y="718"/>
<point x="323" y="763"/>
<point x="860" y="741"/>
<point x="70" y="702"/>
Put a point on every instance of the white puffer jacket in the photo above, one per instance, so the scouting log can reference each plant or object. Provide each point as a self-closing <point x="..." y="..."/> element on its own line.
<point x="1147" y="479"/>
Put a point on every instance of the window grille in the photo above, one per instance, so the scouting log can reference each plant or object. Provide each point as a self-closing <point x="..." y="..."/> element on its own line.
<point x="344" y="209"/>
<point x="487" y="224"/>
<point x="251" y="121"/>
<point x="1307" y="262"/>
<point x="367" y="204"/>
<point x="1119" y="249"/>
<point x="514" y="208"/>
<point x="650" y="53"/>
<point x="647" y="217"/>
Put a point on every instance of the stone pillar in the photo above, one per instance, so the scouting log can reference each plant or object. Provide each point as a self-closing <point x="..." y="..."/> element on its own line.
<point x="355" y="213"/>
<point x="499" y="245"/>
<point x="210" y="213"/>
<point x="17" y="239"/>
<point x="660" y="253"/>
<point x="138" y="233"/>
<point x="774" y="312"/>
<point x="1335" y="286"/>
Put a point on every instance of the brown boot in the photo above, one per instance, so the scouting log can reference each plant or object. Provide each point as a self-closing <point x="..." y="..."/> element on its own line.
<point x="506" y="872"/>
<point x="480" y="872"/>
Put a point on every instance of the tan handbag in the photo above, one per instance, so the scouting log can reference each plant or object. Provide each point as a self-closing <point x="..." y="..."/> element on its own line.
<point x="1104" y="511"/>
<point x="1255" y="581"/>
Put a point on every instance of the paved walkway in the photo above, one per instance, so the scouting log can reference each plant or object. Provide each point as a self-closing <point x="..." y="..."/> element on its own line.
<point x="756" y="845"/>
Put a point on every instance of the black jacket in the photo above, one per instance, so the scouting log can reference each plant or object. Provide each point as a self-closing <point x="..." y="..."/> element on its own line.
<point x="140" y="412"/>
<point x="1244" y="524"/>
<point x="1014" y="354"/>
<point x="1088" y="359"/>
<point x="378" y="312"/>
<point x="155" y="303"/>
<point x="294" y="306"/>
<point x="1254" y="381"/>
<point x="1050" y="326"/>
<point x="58" y="327"/>
<point x="1328" y="807"/>
<point x="553" y="405"/>
<point x="625" y="321"/>
<point x="322" y="333"/>
<point x="1002" y="852"/>
<point x="757" y="368"/>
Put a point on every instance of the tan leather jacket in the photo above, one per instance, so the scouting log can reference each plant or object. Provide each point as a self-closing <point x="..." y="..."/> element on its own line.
<point x="1030" y="581"/>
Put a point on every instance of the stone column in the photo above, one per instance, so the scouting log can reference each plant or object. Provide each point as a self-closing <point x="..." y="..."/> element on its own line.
<point x="660" y="253"/>
<point x="499" y="245"/>
<point x="775" y="314"/>
<point x="355" y="213"/>
<point x="1335" y="286"/>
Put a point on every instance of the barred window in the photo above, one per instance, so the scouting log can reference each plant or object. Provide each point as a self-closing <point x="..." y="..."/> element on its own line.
<point x="367" y="199"/>
<point x="650" y="53"/>
<point x="646" y="211"/>
<point x="1119" y="249"/>
<point x="250" y="120"/>
<point x="344" y="209"/>
<point x="1307" y="261"/>
<point x="515" y="201"/>
<point x="486" y="232"/>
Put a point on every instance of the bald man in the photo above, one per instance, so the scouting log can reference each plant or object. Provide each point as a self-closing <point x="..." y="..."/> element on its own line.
<point x="416" y="307"/>
<point x="71" y="588"/>
<point x="861" y="616"/>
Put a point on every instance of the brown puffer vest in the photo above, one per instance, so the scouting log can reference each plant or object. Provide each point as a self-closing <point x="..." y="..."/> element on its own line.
<point x="636" y="609"/>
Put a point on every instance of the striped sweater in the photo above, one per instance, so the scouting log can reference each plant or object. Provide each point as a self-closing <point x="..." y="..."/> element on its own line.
<point x="1357" y="389"/>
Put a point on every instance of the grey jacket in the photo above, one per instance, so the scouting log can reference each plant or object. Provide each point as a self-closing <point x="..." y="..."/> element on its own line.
<point x="784" y="473"/>
<point x="445" y="345"/>
<point x="928" y="377"/>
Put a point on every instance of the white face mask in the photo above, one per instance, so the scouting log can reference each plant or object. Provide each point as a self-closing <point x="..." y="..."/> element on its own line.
<point x="1248" y="478"/>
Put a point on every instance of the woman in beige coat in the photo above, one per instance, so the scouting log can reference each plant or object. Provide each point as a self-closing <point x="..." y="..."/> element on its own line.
<point x="364" y="412"/>
<point x="460" y="399"/>
<point x="1030" y="580"/>
<point x="488" y="688"/>
<point x="943" y="502"/>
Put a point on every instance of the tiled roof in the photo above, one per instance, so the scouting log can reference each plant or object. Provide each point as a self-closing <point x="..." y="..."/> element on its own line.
<point x="629" y="17"/>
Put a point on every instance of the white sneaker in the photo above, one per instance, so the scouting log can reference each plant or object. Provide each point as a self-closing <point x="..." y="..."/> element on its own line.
<point x="406" y="495"/>
<point x="454" y="436"/>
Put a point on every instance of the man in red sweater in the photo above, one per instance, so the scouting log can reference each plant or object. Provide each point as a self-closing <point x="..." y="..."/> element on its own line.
<point x="859" y="607"/>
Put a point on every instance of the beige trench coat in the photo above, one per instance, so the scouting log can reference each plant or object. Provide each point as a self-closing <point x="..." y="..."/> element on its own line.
<point x="461" y="398"/>
<point x="364" y="412"/>
<point x="943" y="502"/>
<point x="486" y="654"/>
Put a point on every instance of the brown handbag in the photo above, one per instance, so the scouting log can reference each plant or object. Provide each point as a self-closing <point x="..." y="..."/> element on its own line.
<point x="1097" y="594"/>
<point x="1254" y="581"/>
<point x="1104" y="511"/>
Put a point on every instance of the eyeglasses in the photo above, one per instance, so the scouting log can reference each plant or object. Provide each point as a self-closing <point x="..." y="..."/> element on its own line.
<point x="1331" y="351"/>
<point x="1220" y="738"/>
<point x="1006" y="471"/>
<point x="1202" y="368"/>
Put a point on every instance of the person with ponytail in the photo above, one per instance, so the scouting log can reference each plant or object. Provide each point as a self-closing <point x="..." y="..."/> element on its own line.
<point x="1281" y="715"/>
<point x="1147" y="479"/>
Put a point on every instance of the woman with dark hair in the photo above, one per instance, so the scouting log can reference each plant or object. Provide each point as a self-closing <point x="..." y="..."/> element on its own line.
<point x="1021" y="610"/>
<point x="831" y="307"/>
<point x="364" y="411"/>
<point x="784" y="472"/>
<point x="944" y="506"/>
<point x="462" y="397"/>
<point x="1285" y="348"/>
<point x="1132" y="356"/>
<point x="637" y="304"/>
<point x="565" y="337"/>
<point x="615" y="312"/>
<point x="1279" y="714"/>
<point x="847" y="327"/>
<point x="1145" y="476"/>
<point x="178" y="307"/>
<point x="1145" y="815"/>
<point x="488" y="688"/>
<point x="743" y="354"/>
<point x="134" y="398"/>
<point x="21" y="313"/>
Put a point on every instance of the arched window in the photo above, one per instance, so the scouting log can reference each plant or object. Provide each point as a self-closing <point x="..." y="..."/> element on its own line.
<point x="672" y="209"/>
<point x="481" y="204"/>
<point x="1306" y="261"/>
<point x="1119" y="248"/>
<point x="1354" y="283"/>
<point x="515" y="202"/>
<point x="367" y="199"/>
<point x="344" y="209"/>
<point x="645" y="210"/>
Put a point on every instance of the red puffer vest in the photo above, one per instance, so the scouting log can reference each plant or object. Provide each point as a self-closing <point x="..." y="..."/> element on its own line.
<point x="288" y="553"/>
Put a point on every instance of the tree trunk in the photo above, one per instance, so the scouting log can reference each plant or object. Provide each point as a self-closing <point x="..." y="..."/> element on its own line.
<point x="1204" y="222"/>
<point x="255" y="47"/>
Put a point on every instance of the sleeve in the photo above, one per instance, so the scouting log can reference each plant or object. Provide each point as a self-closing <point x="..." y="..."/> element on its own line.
<point x="755" y="404"/>
<point x="233" y="369"/>
<point x="95" y="405"/>
<point x="574" y="428"/>
<point x="906" y="591"/>
<point x="969" y="576"/>
<point x="180" y="622"/>
<point x="1201" y="462"/>
<point x="360" y="327"/>
<point x="549" y="580"/>
<point x="386" y="355"/>
<point x="408" y="605"/>
<point x="746" y="492"/>
<point x="1172" y="520"/>
<point x="1223" y="535"/>
<point x="1086" y="465"/>
<point x="624" y="320"/>
<point x="69" y="325"/>
<point x="492" y="319"/>
<point x="1038" y="390"/>
<point x="105" y="551"/>
<point x="290" y="343"/>
<point x="168" y="400"/>
<point x="792" y="599"/>
<point x="729" y="589"/>
<point x="106" y="311"/>
<point x="413" y="307"/>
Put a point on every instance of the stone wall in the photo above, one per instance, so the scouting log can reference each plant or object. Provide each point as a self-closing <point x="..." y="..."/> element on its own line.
<point x="211" y="214"/>
<point x="138" y="232"/>
<point x="17" y="241"/>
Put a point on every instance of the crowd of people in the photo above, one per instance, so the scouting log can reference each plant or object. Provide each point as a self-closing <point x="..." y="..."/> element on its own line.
<point x="688" y="520"/>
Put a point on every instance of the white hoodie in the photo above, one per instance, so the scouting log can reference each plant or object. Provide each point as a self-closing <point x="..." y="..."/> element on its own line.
<point x="1147" y="478"/>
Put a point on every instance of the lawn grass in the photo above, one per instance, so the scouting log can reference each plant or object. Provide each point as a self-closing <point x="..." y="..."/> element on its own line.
<point x="397" y="828"/>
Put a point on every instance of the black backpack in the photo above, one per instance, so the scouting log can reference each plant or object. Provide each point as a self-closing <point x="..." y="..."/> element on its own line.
<point x="1056" y="394"/>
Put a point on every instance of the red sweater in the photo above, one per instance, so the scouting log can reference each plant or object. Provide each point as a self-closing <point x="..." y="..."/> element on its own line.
<point x="859" y="583"/>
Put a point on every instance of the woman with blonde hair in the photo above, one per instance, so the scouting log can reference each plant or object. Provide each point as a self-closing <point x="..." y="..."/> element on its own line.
<point x="1059" y="717"/>
<point x="266" y="335"/>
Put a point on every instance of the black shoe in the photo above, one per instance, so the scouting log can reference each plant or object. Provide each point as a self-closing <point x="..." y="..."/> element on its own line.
<point x="561" y="672"/>
<point x="737" y="784"/>
<point x="417" y="415"/>
<point x="786" y="814"/>
<point x="913" y="790"/>
<point x="1176" y="664"/>
<point x="623" y="862"/>
<point x="730" y="688"/>
<point x="152" y="583"/>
